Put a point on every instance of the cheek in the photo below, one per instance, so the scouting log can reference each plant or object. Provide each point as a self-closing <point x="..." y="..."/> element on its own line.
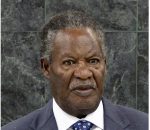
<point x="57" y="74"/>
<point x="102" y="71"/>
<point x="60" y="80"/>
<point x="99" y="75"/>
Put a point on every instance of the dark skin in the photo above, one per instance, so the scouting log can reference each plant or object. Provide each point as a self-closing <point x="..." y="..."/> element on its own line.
<point x="77" y="71"/>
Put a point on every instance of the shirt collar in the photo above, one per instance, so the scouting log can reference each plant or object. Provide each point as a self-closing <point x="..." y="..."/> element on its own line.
<point x="65" y="120"/>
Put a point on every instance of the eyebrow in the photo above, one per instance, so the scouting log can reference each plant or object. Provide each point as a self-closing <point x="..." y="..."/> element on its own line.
<point x="67" y="55"/>
<point x="92" y="53"/>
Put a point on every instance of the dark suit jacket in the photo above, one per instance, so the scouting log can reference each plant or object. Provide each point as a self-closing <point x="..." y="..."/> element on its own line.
<point x="115" y="118"/>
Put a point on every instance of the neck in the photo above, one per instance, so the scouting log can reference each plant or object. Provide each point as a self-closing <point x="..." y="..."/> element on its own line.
<point x="81" y="116"/>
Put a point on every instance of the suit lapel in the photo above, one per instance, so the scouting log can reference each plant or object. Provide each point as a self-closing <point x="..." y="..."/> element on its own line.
<point x="113" y="117"/>
<point x="45" y="119"/>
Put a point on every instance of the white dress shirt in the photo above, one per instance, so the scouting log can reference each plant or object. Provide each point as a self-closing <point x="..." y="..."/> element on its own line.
<point x="65" y="120"/>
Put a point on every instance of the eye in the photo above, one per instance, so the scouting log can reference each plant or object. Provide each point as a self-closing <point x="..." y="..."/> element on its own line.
<point x="68" y="62"/>
<point x="94" y="61"/>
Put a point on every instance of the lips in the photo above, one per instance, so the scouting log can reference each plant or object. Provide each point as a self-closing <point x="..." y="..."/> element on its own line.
<point x="83" y="90"/>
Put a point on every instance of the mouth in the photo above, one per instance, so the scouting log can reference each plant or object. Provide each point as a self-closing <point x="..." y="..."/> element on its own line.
<point x="83" y="90"/>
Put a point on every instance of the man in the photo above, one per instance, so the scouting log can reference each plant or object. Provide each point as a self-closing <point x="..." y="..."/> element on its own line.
<point x="73" y="60"/>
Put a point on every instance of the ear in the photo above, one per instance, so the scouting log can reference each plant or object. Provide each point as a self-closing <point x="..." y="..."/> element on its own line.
<point x="45" y="66"/>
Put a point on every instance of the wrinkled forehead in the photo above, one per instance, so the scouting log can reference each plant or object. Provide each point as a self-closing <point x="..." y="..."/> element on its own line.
<point x="77" y="39"/>
<point x="76" y="32"/>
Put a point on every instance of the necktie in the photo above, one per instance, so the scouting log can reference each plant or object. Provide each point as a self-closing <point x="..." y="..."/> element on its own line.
<point x="82" y="125"/>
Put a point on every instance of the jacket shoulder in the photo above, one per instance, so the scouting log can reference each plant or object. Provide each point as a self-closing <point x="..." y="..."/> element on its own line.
<point x="25" y="122"/>
<point x="124" y="117"/>
<point x="22" y="123"/>
<point x="136" y="117"/>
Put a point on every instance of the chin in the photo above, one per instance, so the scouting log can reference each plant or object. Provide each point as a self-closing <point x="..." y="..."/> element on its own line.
<point x="83" y="111"/>
<point x="88" y="105"/>
<point x="82" y="107"/>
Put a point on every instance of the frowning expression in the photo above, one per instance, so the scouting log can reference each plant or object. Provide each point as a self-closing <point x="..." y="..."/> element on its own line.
<point x="77" y="71"/>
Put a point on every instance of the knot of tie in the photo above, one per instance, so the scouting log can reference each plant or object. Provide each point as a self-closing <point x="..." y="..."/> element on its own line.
<point x="82" y="125"/>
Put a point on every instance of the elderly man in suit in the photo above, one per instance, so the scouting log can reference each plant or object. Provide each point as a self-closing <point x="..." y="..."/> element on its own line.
<point x="73" y="60"/>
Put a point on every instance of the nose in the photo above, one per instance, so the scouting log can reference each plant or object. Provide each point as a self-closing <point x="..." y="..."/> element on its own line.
<point x="82" y="72"/>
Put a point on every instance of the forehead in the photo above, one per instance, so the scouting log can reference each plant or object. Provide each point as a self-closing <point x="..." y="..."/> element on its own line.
<point x="76" y="34"/>
<point x="75" y="39"/>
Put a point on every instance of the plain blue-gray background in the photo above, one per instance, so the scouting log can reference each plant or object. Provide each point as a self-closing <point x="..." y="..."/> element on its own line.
<point x="125" y="22"/>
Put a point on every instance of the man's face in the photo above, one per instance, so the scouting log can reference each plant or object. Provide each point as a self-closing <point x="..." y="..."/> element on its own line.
<point x="77" y="71"/>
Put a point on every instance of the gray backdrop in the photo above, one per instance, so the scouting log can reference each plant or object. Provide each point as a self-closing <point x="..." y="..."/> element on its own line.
<point x="24" y="88"/>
